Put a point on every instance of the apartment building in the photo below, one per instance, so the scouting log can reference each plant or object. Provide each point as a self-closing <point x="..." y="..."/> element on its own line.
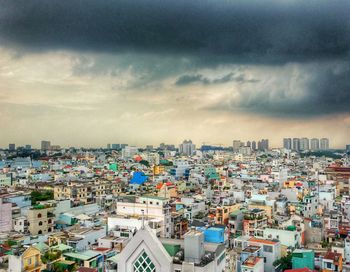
<point x="149" y="207"/>
<point x="41" y="219"/>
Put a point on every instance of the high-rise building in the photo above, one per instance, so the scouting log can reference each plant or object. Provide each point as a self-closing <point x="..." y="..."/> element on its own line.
<point x="254" y="145"/>
<point x="149" y="147"/>
<point x="28" y="147"/>
<point x="324" y="144"/>
<point x="187" y="148"/>
<point x="304" y="144"/>
<point x="347" y="147"/>
<point x="12" y="147"/>
<point x="115" y="146"/>
<point x="108" y="146"/>
<point x="236" y="145"/>
<point x="129" y="152"/>
<point x="45" y="145"/>
<point x="314" y="144"/>
<point x="296" y="144"/>
<point x="287" y="143"/>
<point x="263" y="145"/>
<point x="249" y="144"/>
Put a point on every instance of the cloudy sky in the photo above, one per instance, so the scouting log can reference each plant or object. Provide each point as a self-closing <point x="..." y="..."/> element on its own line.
<point x="88" y="73"/>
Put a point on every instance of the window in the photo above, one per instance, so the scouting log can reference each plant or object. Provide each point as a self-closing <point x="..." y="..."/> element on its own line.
<point x="267" y="248"/>
<point x="144" y="264"/>
<point x="39" y="215"/>
<point x="40" y="223"/>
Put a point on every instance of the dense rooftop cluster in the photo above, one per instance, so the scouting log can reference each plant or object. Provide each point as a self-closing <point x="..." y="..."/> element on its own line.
<point x="166" y="209"/>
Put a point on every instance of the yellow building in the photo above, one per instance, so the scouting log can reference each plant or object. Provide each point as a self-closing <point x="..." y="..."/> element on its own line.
<point x="158" y="169"/>
<point x="223" y="213"/>
<point x="267" y="209"/>
<point x="28" y="260"/>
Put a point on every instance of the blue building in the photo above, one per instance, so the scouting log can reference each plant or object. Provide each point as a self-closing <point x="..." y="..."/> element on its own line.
<point x="213" y="235"/>
<point x="138" y="178"/>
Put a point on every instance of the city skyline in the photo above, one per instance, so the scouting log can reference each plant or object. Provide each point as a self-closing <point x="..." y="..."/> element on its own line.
<point x="169" y="70"/>
<point x="296" y="143"/>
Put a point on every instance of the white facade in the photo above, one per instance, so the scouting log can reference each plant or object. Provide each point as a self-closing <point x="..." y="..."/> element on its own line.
<point x="187" y="148"/>
<point x="150" y="207"/>
<point x="129" y="152"/>
<point x="144" y="248"/>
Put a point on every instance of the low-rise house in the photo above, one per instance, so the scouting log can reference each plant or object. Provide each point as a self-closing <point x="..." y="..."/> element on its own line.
<point x="25" y="259"/>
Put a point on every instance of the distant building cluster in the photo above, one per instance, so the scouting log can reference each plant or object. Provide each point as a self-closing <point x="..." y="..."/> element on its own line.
<point x="305" y="144"/>
<point x="241" y="147"/>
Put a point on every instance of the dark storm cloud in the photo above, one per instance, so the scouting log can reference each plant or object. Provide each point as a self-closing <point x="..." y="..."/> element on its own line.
<point x="198" y="78"/>
<point x="219" y="30"/>
<point x="325" y="90"/>
<point x="190" y="79"/>
<point x="159" y="39"/>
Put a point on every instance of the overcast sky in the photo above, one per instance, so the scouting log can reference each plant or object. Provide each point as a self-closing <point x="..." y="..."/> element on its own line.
<point x="88" y="73"/>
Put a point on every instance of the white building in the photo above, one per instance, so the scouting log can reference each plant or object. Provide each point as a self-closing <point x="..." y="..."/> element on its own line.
<point x="304" y="144"/>
<point x="314" y="144"/>
<point x="145" y="252"/>
<point x="324" y="144"/>
<point x="151" y="207"/>
<point x="187" y="148"/>
<point x="129" y="152"/>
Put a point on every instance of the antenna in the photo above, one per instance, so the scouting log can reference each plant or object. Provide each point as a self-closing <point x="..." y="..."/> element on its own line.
<point x="143" y="219"/>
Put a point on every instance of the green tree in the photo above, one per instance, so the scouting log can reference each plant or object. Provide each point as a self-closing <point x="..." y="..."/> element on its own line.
<point x="145" y="163"/>
<point x="41" y="196"/>
<point x="284" y="263"/>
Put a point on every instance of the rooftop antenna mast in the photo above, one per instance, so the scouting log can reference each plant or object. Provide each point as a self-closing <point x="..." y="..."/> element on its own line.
<point x="143" y="219"/>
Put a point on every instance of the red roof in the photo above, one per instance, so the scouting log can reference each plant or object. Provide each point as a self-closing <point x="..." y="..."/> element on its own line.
<point x="332" y="256"/>
<point x="262" y="241"/>
<point x="102" y="249"/>
<point x="160" y="185"/>
<point x="305" y="269"/>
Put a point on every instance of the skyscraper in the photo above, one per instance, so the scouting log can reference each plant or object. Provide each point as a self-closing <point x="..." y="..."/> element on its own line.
<point x="28" y="147"/>
<point x="315" y="144"/>
<point x="12" y="147"/>
<point x="236" y="145"/>
<point x="187" y="148"/>
<point x="265" y="144"/>
<point x="324" y="144"/>
<point x="253" y="145"/>
<point x="304" y="144"/>
<point x="287" y="143"/>
<point x="45" y="145"/>
<point x="296" y="144"/>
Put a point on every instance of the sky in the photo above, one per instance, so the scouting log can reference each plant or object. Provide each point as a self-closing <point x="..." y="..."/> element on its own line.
<point x="88" y="73"/>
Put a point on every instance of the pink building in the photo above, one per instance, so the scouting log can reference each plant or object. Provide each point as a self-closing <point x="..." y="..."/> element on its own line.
<point x="5" y="216"/>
